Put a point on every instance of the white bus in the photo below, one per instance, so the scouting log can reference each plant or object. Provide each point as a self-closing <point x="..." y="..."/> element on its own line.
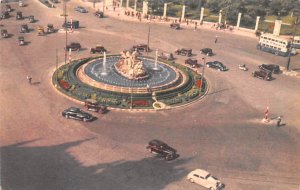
<point x="274" y="44"/>
<point x="296" y="43"/>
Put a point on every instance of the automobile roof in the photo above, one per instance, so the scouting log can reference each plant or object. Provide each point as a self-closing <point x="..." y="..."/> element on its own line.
<point x="201" y="172"/>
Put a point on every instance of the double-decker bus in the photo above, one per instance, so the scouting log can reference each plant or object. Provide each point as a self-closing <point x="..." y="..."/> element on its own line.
<point x="296" y="43"/>
<point x="274" y="44"/>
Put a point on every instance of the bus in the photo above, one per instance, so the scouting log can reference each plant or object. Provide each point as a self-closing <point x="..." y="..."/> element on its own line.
<point x="274" y="44"/>
<point x="296" y="43"/>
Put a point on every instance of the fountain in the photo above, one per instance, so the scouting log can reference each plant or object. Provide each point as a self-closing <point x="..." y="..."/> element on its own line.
<point x="156" y="68"/>
<point x="104" y="72"/>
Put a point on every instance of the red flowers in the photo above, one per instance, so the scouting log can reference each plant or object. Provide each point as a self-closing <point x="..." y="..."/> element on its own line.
<point x="64" y="84"/>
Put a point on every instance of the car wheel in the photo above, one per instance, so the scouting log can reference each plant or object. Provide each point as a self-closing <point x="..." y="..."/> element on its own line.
<point x="66" y="116"/>
<point x="207" y="65"/>
<point x="276" y="53"/>
<point x="84" y="119"/>
<point x="219" y="69"/>
<point x="212" y="188"/>
<point x="191" y="180"/>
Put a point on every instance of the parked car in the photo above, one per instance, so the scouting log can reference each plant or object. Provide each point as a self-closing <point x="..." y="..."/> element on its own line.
<point x="216" y="65"/>
<point x="8" y="8"/>
<point x="76" y="113"/>
<point x="19" y="15"/>
<point x="21" y="41"/>
<point x="4" y="33"/>
<point x="205" y="179"/>
<point x="270" y="68"/>
<point x="74" y="46"/>
<point x="184" y="52"/>
<point x="4" y="14"/>
<point x="31" y="18"/>
<point x="175" y="26"/>
<point x="21" y="4"/>
<point x="24" y="28"/>
<point x="262" y="74"/>
<point x="50" y="28"/>
<point x="166" y="56"/>
<point x="81" y="9"/>
<point x="41" y="31"/>
<point x="140" y="47"/>
<point x="192" y="62"/>
<point x="99" y="14"/>
<point x="206" y="51"/>
<point x="93" y="105"/>
<point x="74" y="24"/>
<point x="162" y="149"/>
<point x="98" y="49"/>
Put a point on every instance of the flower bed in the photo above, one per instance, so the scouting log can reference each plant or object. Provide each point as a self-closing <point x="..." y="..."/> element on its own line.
<point x="64" y="84"/>
<point x="140" y="103"/>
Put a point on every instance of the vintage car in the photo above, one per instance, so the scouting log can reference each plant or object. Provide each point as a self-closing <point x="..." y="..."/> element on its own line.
<point x="19" y="15"/>
<point x="21" y="40"/>
<point x="41" y="31"/>
<point x="8" y="8"/>
<point x="4" y="14"/>
<point x="99" y="14"/>
<point x="140" y="48"/>
<point x="175" y="26"/>
<point x="216" y="65"/>
<point x="98" y="49"/>
<point x="162" y="149"/>
<point x="50" y="28"/>
<point x="184" y="52"/>
<point x="74" y="46"/>
<point x="21" y="4"/>
<point x="31" y="18"/>
<point x="74" y="24"/>
<point x="205" y="179"/>
<point x="76" y="113"/>
<point x="206" y="51"/>
<point x="4" y="33"/>
<point x="273" y="68"/>
<point x="81" y="9"/>
<point x="93" y="105"/>
<point x="192" y="62"/>
<point x="262" y="74"/>
<point x="24" y="28"/>
<point x="166" y="56"/>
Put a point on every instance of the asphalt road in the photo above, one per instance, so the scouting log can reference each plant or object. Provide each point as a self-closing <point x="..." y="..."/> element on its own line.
<point x="222" y="133"/>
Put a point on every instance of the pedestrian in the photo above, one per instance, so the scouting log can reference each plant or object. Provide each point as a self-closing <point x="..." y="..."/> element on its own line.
<point x="195" y="26"/>
<point x="29" y="78"/>
<point x="216" y="40"/>
<point x="278" y="121"/>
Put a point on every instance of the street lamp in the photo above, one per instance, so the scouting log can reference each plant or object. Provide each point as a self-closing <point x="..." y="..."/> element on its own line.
<point x="292" y="43"/>
<point x="202" y="76"/>
<point x="66" y="29"/>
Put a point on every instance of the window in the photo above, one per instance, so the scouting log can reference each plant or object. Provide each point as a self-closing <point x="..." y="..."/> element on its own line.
<point x="196" y="175"/>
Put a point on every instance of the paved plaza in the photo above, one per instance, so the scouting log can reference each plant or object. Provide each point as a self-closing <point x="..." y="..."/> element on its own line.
<point x="222" y="133"/>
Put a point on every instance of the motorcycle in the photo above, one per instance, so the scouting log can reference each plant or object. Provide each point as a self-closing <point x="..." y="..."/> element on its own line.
<point x="243" y="67"/>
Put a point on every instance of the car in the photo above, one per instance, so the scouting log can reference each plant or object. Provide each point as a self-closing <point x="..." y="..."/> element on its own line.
<point x="98" y="49"/>
<point x="99" y="14"/>
<point x="273" y="68"/>
<point x="21" y="41"/>
<point x="50" y="28"/>
<point x="93" y="105"/>
<point x="216" y="65"/>
<point x="77" y="113"/>
<point x="19" y="15"/>
<point x="166" y="56"/>
<point x="206" y="51"/>
<point x="192" y="62"/>
<point x="74" y="24"/>
<point x="8" y="8"/>
<point x="184" y="52"/>
<point x="4" y="14"/>
<point x="140" y="47"/>
<point x="4" y="33"/>
<point x="21" y="4"/>
<point x="74" y="46"/>
<point x="41" y="31"/>
<point x="24" y="28"/>
<point x="81" y="9"/>
<point x="175" y="26"/>
<point x="160" y="148"/>
<point x="262" y="74"/>
<point x="31" y="19"/>
<point x="205" y="179"/>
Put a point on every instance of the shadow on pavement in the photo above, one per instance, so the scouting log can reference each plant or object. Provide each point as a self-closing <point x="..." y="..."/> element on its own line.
<point x="27" y="167"/>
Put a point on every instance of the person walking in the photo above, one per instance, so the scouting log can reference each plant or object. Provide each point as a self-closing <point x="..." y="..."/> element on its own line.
<point x="29" y="78"/>
<point x="216" y="40"/>
<point x="278" y="121"/>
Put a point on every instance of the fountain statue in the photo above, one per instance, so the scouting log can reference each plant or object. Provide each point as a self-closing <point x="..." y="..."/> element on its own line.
<point x="104" y="72"/>
<point x="130" y="66"/>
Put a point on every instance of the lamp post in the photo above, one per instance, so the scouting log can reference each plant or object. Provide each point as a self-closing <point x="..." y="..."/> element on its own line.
<point x="66" y="30"/>
<point x="292" y="43"/>
<point x="202" y="76"/>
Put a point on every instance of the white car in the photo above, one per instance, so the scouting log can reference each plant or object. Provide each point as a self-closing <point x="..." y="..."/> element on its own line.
<point x="205" y="179"/>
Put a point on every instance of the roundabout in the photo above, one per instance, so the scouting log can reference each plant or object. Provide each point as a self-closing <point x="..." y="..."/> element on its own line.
<point x="129" y="81"/>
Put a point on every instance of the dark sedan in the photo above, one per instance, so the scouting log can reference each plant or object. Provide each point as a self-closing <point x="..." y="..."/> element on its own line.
<point x="76" y="113"/>
<point x="206" y="51"/>
<point x="216" y="65"/>
<point x="270" y="68"/>
<point x="162" y="149"/>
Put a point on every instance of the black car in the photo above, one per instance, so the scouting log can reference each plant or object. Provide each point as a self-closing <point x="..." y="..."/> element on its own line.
<point x="74" y="24"/>
<point x="216" y="65"/>
<point x="175" y="26"/>
<point x="162" y="149"/>
<point x="192" y="62"/>
<point x="24" y="28"/>
<point x="4" y="33"/>
<point x="4" y="14"/>
<point x="184" y="52"/>
<point x="140" y="48"/>
<point x="8" y="8"/>
<point x="166" y="56"/>
<point x="76" y="113"/>
<point x="31" y="18"/>
<point x="98" y="49"/>
<point x="74" y="46"/>
<point x="262" y="74"/>
<point x="270" y="68"/>
<point x="99" y="14"/>
<point x="206" y="51"/>
<point x="19" y="15"/>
